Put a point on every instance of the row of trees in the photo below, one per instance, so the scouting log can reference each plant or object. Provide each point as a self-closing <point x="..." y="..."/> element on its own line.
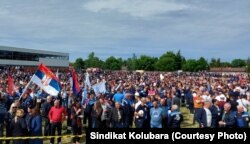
<point x="169" y="61"/>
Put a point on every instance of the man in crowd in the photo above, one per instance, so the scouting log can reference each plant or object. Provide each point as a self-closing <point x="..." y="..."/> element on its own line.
<point x="228" y="119"/>
<point x="204" y="116"/>
<point x="46" y="106"/>
<point x="156" y="114"/>
<point x="56" y="116"/>
<point x="128" y="110"/>
<point x="105" y="113"/>
<point x="175" y="118"/>
<point x="242" y="117"/>
<point x="141" y="114"/>
<point x="117" y="116"/>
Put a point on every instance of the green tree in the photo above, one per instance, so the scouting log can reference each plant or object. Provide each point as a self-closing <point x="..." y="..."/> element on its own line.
<point x="226" y="64"/>
<point x="180" y="60"/>
<point x="215" y="62"/>
<point x="93" y="61"/>
<point x="190" y="65"/>
<point x="131" y="63"/>
<point x="238" y="63"/>
<point x="201" y="64"/>
<point x="79" y="63"/>
<point x="248" y="65"/>
<point x="167" y="62"/>
<point x="146" y="63"/>
<point x="112" y="63"/>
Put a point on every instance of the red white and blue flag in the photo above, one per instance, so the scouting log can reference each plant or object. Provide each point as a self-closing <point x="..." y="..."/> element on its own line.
<point x="74" y="82"/>
<point x="46" y="79"/>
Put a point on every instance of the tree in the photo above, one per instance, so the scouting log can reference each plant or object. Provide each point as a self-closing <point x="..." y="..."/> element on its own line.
<point x="201" y="64"/>
<point x="112" y="63"/>
<point x="93" y="61"/>
<point x="238" y="63"/>
<point x="131" y="63"/>
<point x="79" y="63"/>
<point x="193" y="65"/>
<point x="248" y="65"/>
<point x="167" y="62"/>
<point x="179" y="59"/>
<point x="146" y="63"/>
<point x="226" y="64"/>
<point x="215" y="62"/>
<point x="190" y="65"/>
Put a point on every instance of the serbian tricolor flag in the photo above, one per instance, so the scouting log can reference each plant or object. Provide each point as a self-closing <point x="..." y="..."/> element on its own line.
<point x="46" y="79"/>
<point x="11" y="85"/>
<point x="74" y="82"/>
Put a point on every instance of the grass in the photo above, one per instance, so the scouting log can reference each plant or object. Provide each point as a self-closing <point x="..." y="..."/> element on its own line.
<point x="188" y="119"/>
<point x="187" y="123"/>
<point x="65" y="140"/>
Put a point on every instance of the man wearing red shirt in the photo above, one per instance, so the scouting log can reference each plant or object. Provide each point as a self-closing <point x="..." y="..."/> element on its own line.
<point x="56" y="116"/>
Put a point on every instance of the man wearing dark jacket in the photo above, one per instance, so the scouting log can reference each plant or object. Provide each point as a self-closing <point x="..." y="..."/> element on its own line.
<point x="141" y="115"/>
<point x="175" y="118"/>
<point x="228" y="119"/>
<point x="204" y="116"/>
<point x="117" y="116"/>
<point x="126" y="104"/>
<point x="216" y="113"/>
<point x="46" y="106"/>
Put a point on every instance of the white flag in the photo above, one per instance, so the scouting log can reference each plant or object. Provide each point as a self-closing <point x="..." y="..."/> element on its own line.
<point x="87" y="81"/>
<point x="99" y="88"/>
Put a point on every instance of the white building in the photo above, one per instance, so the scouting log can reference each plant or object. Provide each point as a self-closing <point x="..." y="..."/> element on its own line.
<point x="29" y="57"/>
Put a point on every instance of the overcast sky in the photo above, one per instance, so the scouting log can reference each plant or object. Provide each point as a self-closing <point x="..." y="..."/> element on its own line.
<point x="208" y="28"/>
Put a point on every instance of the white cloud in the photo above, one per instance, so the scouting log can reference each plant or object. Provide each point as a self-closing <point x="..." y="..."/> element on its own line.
<point x="123" y="27"/>
<point x="136" y="8"/>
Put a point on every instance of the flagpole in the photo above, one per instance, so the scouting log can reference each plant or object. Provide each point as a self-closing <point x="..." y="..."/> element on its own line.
<point x="28" y="84"/>
<point x="26" y="88"/>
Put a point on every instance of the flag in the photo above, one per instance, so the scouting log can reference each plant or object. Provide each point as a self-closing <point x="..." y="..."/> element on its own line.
<point x="87" y="81"/>
<point x="46" y="79"/>
<point x="11" y="85"/>
<point x="74" y="82"/>
<point x="99" y="88"/>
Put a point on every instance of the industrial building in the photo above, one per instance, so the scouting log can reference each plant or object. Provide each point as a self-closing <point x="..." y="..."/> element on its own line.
<point x="12" y="56"/>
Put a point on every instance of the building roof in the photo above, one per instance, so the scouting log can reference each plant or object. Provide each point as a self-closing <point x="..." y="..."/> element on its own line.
<point x="26" y="50"/>
<point x="227" y="69"/>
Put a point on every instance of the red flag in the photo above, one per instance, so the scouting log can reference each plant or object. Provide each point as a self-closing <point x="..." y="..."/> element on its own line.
<point x="75" y="84"/>
<point x="11" y="85"/>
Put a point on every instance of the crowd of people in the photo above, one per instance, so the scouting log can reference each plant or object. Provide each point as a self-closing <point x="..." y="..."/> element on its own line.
<point x="131" y="100"/>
